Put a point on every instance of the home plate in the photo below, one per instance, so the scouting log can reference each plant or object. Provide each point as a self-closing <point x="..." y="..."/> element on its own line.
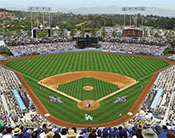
<point x="130" y="113"/>
<point x="47" y="115"/>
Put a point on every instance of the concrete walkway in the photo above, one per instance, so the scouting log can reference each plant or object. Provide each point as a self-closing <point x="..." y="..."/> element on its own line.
<point x="168" y="108"/>
<point x="6" y="108"/>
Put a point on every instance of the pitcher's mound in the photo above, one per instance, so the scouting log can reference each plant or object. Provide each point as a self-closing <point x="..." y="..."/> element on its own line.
<point x="88" y="88"/>
<point x="88" y="105"/>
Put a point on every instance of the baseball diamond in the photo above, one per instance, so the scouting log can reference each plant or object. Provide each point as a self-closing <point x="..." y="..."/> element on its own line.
<point x="138" y="71"/>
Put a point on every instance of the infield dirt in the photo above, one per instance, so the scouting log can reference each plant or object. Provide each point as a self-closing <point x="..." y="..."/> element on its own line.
<point x="122" y="81"/>
<point x="88" y="88"/>
<point x="117" y="79"/>
<point x="93" y="105"/>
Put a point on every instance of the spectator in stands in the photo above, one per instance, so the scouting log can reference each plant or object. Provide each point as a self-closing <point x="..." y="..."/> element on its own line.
<point x="99" y="133"/>
<point x="9" y="133"/>
<point x="122" y="133"/>
<point x="27" y="134"/>
<point x="80" y="133"/>
<point x="71" y="133"/>
<point x="63" y="133"/>
<point x="147" y="132"/>
<point x="56" y="135"/>
<point x="50" y="134"/>
<point x="49" y="128"/>
<point x="44" y="131"/>
<point x="16" y="132"/>
<point x="75" y="129"/>
<point x="35" y="134"/>
<point x="170" y="134"/>
<point x="89" y="129"/>
<point x="132" y="135"/>
<point x="93" y="134"/>
<point x="139" y="131"/>
<point x="105" y="132"/>
<point x="160" y="132"/>
<point x="112" y="133"/>
<point x="1" y="131"/>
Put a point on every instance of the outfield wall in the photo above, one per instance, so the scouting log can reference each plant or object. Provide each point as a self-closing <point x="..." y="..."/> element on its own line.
<point x="80" y="50"/>
<point x="85" y="50"/>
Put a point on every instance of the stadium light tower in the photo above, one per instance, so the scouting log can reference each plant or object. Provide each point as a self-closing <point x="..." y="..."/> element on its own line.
<point x="133" y="9"/>
<point x="41" y="10"/>
<point x="31" y="10"/>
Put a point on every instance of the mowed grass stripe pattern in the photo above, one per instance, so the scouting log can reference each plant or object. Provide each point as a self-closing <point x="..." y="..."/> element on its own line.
<point x="34" y="69"/>
<point x="75" y="88"/>
<point x="68" y="111"/>
<point x="45" y="66"/>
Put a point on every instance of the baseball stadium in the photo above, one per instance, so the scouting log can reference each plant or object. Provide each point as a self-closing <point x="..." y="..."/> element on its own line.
<point x="85" y="80"/>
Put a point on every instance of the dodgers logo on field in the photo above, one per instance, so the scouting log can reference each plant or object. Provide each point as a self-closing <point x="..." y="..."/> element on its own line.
<point x="55" y="100"/>
<point x="120" y="99"/>
<point x="88" y="117"/>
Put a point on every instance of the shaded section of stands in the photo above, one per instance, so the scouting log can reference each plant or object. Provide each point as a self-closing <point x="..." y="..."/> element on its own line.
<point x="15" y="76"/>
<point x="156" y="99"/>
<point x="155" y="83"/>
<point x="19" y="100"/>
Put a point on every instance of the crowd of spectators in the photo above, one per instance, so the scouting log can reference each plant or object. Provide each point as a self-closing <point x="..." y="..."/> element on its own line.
<point x="3" y="112"/>
<point x="165" y="106"/>
<point x="2" y="57"/>
<point x="172" y="57"/>
<point x="41" y="47"/>
<point x="30" y="49"/>
<point x="53" y="131"/>
<point x="137" y="48"/>
<point x="11" y="113"/>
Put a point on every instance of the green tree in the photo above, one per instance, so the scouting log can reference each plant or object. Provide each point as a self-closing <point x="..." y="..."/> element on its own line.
<point x="72" y="33"/>
<point x="82" y="33"/>
<point x="9" y="33"/>
<point x="61" y="34"/>
<point x="114" y="34"/>
<point x="18" y="33"/>
<point x="103" y="33"/>
<point x="29" y="33"/>
<point x="93" y="33"/>
<point x="156" y="35"/>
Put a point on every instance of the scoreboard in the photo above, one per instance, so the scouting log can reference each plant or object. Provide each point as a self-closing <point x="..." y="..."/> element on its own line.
<point x="86" y="42"/>
<point x="132" y="32"/>
<point x="41" y="33"/>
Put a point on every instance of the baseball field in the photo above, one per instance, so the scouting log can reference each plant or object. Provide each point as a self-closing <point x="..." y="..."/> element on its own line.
<point x="99" y="78"/>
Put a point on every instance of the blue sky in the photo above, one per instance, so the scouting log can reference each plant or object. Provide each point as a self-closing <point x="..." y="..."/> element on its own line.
<point x="57" y="4"/>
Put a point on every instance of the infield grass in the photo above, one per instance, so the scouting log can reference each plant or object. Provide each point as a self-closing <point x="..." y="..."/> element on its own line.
<point x="75" y="88"/>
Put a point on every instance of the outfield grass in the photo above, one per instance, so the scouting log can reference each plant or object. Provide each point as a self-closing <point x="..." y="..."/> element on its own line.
<point x="34" y="69"/>
<point x="75" y="88"/>
<point x="45" y="66"/>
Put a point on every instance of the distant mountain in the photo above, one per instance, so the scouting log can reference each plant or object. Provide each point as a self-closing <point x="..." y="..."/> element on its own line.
<point x="117" y="10"/>
<point x="103" y="10"/>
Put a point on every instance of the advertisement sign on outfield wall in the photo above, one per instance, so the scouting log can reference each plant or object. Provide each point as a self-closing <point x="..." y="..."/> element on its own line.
<point x="82" y="50"/>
